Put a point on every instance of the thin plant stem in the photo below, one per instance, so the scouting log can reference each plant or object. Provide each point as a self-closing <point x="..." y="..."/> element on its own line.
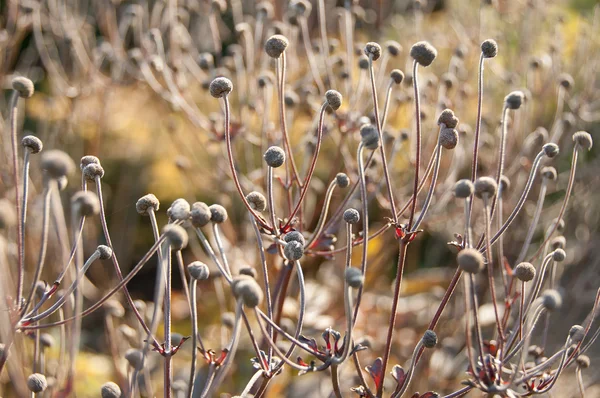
<point x="418" y="144"/>
<point x="14" y="101"/>
<point x="312" y="62"/>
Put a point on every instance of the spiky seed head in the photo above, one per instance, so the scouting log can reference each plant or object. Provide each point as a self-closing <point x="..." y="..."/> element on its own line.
<point x="429" y="339"/>
<point x="549" y="172"/>
<point x="46" y="340"/>
<point x="134" y="357"/>
<point x="397" y="76"/>
<point x="514" y="100"/>
<point x="218" y="214"/>
<point x="373" y="50"/>
<point x="87" y="160"/>
<point x="228" y="319"/>
<point x="423" y="52"/>
<point x="110" y="390"/>
<point x="489" y="48"/>
<point x="363" y="62"/>
<point x="551" y="300"/>
<point x="104" y="252"/>
<point x="566" y="80"/>
<point x="393" y="47"/>
<point x="246" y="288"/>
<point x="276" y="45"/>
<point x="179" y="210"/>
<point x="198" y="270"/>
<point x="583" y="361"/>
<point x="558" y="242"/>
<point x="200" y="214"/>
<point x="504" y="184"/>
<point x="93" y="171"/>
<point x="220" y="87"/>
<point x="351" y="216"/>
<point x="85" y="203"/>
<point x="176" y="236"/>
<point x="354" y="277"/>
<point x="249" y="271"/>
<point x="369" y="136"/>
<point x="206" y="61"/>
<point x="37" y="382"/>
<point x="274" y="156"/>
<point x="470" y="260"/>
<point x="146" y="202"/>
<point x="448" y="138"/>
<point x="485" y="186"/>
<point x="342" y="180"/>
<point x="293" y="250"/>
<point x="525" y="272"/>
<point x="333" y="99"/>
<point x="32" y="143"/>
<point x="295" y="236"/>
<point x="583" y="139"/>
<point x="559" y="255"/>
<point x="23" y="86"/>
<point x="550" y="150"/>
<point x="448" y="118"/>
<point x="463" y="189"/>
<point x="576" y="333"/>
<point x="257" y="201"/>
<point x="57" y="163"/>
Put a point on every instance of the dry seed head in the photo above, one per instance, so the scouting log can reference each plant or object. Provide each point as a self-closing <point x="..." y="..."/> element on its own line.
<point x="134" y="358"/>
<point x="342" y="180"/>
<point x="32" y="143"/>
<point x="576" y="333"/>
<point x="551" y="300"/>
<point x="218" y="214"/>
<point x="104" y="252"/>
<point x="265" y="79"/>
<point x="219" y="6"/>
<point x="85" y="203"/>
<point x="448" y="138"/>
<point x="110" y="390"/>
<point x="276" y="45"/>
<point x="145" y="202"/>
<point x="301" y="8"/>
<point x="37" y="383"/>
<point x="550" y="150"/>
<point x="46" y="340"/>
<point x="429" y="339"/>
<point x="559" y="255"/>
<point x="397" y="76"/>
<point x="504" y="184"/>
<point x="179" y="210"/>
<point x="274" y="157"/>
<point x="198" y="270"/>
<point x="228" y="319"/>
<point x="249" y="271"/>
<point x="369" y="136"/>
<point x="489" y="48"/>
<point x="295" y="236"/>
<point x="566" y="80"/>
<point x="561" y="224"/>
<point x="23" y="86"/>
<point x="363" y="62"/>
<point x="248" y="290"/>
<point x="92" y="171"/>
<point x="87" y="160"/>
<point x="291" y="99"/>
<point x="114" y="308"/>
<point x="206" y="61"/>
<point x="549" y="172"/>
<point x="293" y="250"/>
<point x="583" y="139"/>
<point x="220" y="87"/>
<point x="351" y="216"/>
<point x="423" y="52"/>
<point x="57" y="163"/>
<point x="470" y="260"/>
<point x="257" y="201"/>
<point x="62" y="182"/>
<point x="525" y="272"/>
<point x="449" y="80"/>
<point x="558" y="242"/>
<point x="448" y="118"/>
<point x="583" y="361"/>
<point x="333" y="99"/>
<point x="200" y="214"/>
<point x="393" y="47"/>
<point x="373" y="50"/>
<point x="485" y="186"/>
<point x="265" y="9"/>
<point x="514" y="100"/>
<point x="354" y="277"/>
<point x="463" y="189"/>
<point x="176" y="236"/>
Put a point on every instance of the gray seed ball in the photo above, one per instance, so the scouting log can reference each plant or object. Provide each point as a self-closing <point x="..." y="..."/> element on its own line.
<point x="93" y="170"/>
<point x="566" y="80"/>
<point x="373" y="49"/>
<point x="32" y="143"/>
<point x="57" y="163"/>
<point x="397" y="76"/>
<point x="463" y="189"/>
<point x="559" y="255"/>
<point x="257" y="201"/>
<point x="295" y="236"/>
<point x="134" y="358"/>
<point x="485" y="186"/>
<point x="448" y="118"/>
<point x="88" y="159"/>
<point x="200" y="214"/>
<point x="470" y="260"/>
<point x="23" y="86"/>
<point x="550" y="150"/>
<point x="504" y="184"/>
<point x="37" y="383"/>
<point x="583" y="139"/>
<point x="429" y="339"/>
<point x="489" y="48"/>
<point x="354" y="277"/>
<point x="274" y="157"/>
<point x="205" y="61"/>
<point x="110" y="390"/>
<point x="576" y="333"/>
<point x="369" y="136"/>
<point x="146" y="202"/>
<point x="514" y="100"/>
<point x="218" y="214"/>
<point x="249" y="271"/>
<point x="265" y="9"/>
<point x="525" y="272"/>
<point x="176" y="236"/>
<point x="342" y="180"/>
<point x="179" y="210"/>
<point x="393" y="47"/>
<point x="85" y="203"/>
<point x="448" y="138"/>
<point x="583" y="361"/>
<point x="228" y="319"/>
<point x="549" y="172"/>
<point x="220" y="87"/>
<point x="293" y="250"/>
<point x="423" y="52"/>
<point x="333" y="99"/>
<point x="363" y="62"/>
<point x="551" y="300"/>
<point x="104" y="251"/>
<point x="198" y="270"/>
<point x="46" y="340"/>
<point x="351" y="216"/>
<point x="558" y="242"/>
<point x="247" y="289"/>
<point x="276" y="45"/>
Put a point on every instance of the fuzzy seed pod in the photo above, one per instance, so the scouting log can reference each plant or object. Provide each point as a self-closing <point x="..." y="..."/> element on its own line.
<point x="559" y="255"/>
<point x="198" y="270"/>
<point x="37" y="383"/>
<point x="274" y="157"/>
<point x="354" y="277"/>
<point x="363" y="62"/>
<point x="85" y="203"/>
<point x="104" y="252"/>
<point x="176" y="235"/>
<point x="566" y="80"/>
<point x="351" y="216"/>
<point x="295" y="236"/>
<point x="514" y="100"/>
<point x="448" y="138"/>
<point x="291" y="99"/>
<point x="265" y="9"/>
<point x="46" y="340"/>
<point x="489" y="48"/>
<point x="23" y="86"/>
<point x="57" y="163"/>
<point x="423" y="52"/>
<point x="583" y="361"/>
<point x="110" y="390"/>
<point x="550" y="150"/>
<point x="449" y="80"/>
<point x="206" y="61"/>
<point x="448" y="118"/>
<point x="470" y="260"/>
<point x="525" y="272"/>
<point x="220" y="87"/>
<point x="429" y="339"/>
<point x="88" y="159"/>
<point x="301" y="8"/>
<point x="576" y="333"/>
<point x="62" y="182"/>
<point x="504" y="184"/>
<point x="551" y="300"/>
<point x="257" y="201"/>
<point x="134" y="358"/>
<point x="485" y="186"/>
<point x="293" y="250"/>
<point x="369" y="136"/>
<point x="228" y="319"/>
<point x="393" y="47"/>
<point x="583" y="139"/>
<point x="248" y="290"/>
<point x="397" y="76"/>
<point x="558" y="242"/>
<point x="249" y="271"/>
<point x="200" y="214"/>
<point x="561" y="224"/>
<point x="276" y="45"/>
<point x="264" y="80"/>
<point x="463" y="189"/>
<point x="373" y="50"/>
<point x="114" y="308"/>
<point x="32" y="143"/>
<point x="218" y="214"/>
<point x="179" y="210"/>
<point x="342" y="180"/>
<point x="333" y="99"/>
<point x="549" y="172"/>
<point x="146" y="202"/>
<point x="92" y="171"/>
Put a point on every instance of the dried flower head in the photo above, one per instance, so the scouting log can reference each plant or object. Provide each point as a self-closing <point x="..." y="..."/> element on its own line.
<point x="274" y="156"/>
<point x="276" y="45"/>
<point x="247" y="289"/>
<point x="57" y="163"/>
<point x="354" y="277"/>
<point x="342" y="180"/>
<point x="504" y="184"/>
<point x="393" y="47"/>
<point x="448" y="138"/>
<point x="134" y="357"/>
<point x="525" y="272"/>
<point x="265" y="9"/>
<point x="583" y="139"/>
<point x="220" y="87"/>
<point x="351" y="216"/>
<point x="514" y="100"/>
<point x="559" y="255"/>
<point x="86" y="160"/>
<point x="294" y="236"/>
<point x="363" y="62"/>
<point x="146" y="202"/>
<point x="104" y="252"/>
<point x="200" y="214"/>
<point x="558" y="242"/>
<point x="583" y="361"/>
<point x="576" y="333"/>
<point x="566" y="80"/>
<point x="93" y="171"/>
<point x="198" y="270"/>
<point x="423" y="52"/>
<point x="206" y="61"/>
<point x="485" y="187"/>
<point x="429" y="339"/>
<point x="373" y="50"/>
<point x="265" y="79"/>
<point x="47" y="341"/>
<point x="293" y="250"/>
<point x="85" y="203"/>
<point x="228" y="319"/>
<point x="257" y="201"/>
<point x="248" y="271"/>
<point x="549" y="172"/>
<point x="23" y="86"/>
<point x="37" y="383"/>
<point x="397" y="76"/>
<point x="551" y="300"/>
<point x="489" y="48"/>
<point x="218" y="214"/>
<point x="448" y="118"/>
<point x="463" y="189"/>
<point x="369" y="136"/>
<point x="32" y="143"/>
<point x="333" y="99"/>
<point x="470" y="260"/>
<point x="110" y="390"/>
<point x="179" y="210"/>
<point x="550" y="150"/>
<point x="176" y="236"/>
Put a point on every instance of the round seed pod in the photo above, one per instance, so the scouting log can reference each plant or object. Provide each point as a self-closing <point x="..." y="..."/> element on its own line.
<point x="57" y="163"/>
<point x="134" y="358"/>
<point x="37" y="383"/>
<point x="301" y="8"/>
<point x="46" y="340"/>
<point x="342" y="180"/>
<point x="535" y="63"/>
<point x="293" y="250"/>
<point x="92" y="171"/>
<point x="566" y="80"/>
<point x="551" y="300"/>
<point x="145" y="202"/>
<point x="294" y="236"/>
<point x="535" y="351"/>
<point x="363" y="62"/>
<point x="489" y="48"/>
<point x="265" y="9"/>
<point x="110" y="390"/>
<point x="87" y="160"/>
<point x="583" y="139"/>
<point x="257" y="201"/>
<point x="23" y="86"/>
<point x="276" y="45"/>
<point x="200" y="214"/>
<point x="32" y="143"/>
<point x="525" y="272"/>
<point x="198" y="270"/>
<point x="549" y="172"/>
<point x="429" y="339"/>
<point x="247" y="289"/>
<point x="104" y="251"/>
<point x="485" y="186"/>
<point x="85" y="203"/>
<point x="220" y="87"/>
<point x="354" y="277"/>
<point x="179" y="210"/>
<point x="423" y="52"/>
<point x="291" y="99"/>
<point x="369" y="136"/>
<point x="114" y="308"/>
<point x="351" y="216"/>
<point x="559" y="255"/>
<point x="470" y="260"/>
<point x="333" y="99"/>
<point x="373" y="50"/>
<point x="558" y="242"/>
<point x="463" y="189"/>
<point x="176" y="236"/>
<point x="550" y="150"/>
<point x="448" y="118"/>
<point x="448" y="138"/>
<point x="397" y="76"/>
<point x="514" y="100"/>
<point x="218" y="214"/>
<point x="583" y="361"/>
<point x="449" y="80"/>
<point x="576" y="333"/>
<point x="206" y="61"/>
<point x="504" y="184"/>
<point x="265" y="79"/>
<point x="274" y="157"/>
<point x="228" y="319"/>
<point x="249" y="271"/>
<point x="393" y="47"/>
<point x="62" y="182"/>
<point x="561" y="224"/>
